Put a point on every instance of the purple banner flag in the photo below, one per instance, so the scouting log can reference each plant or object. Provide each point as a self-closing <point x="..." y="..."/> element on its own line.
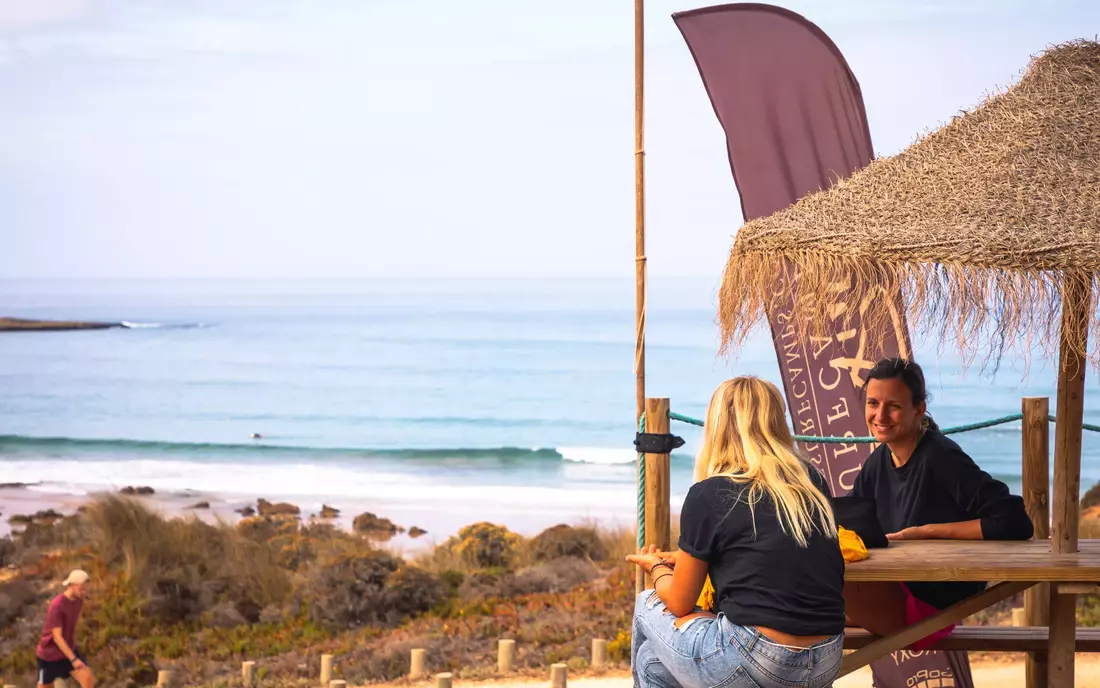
<point x="794" y="120"/>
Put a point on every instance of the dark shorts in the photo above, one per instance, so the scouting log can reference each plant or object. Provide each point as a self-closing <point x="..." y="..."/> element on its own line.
<point x="50" y="671"/>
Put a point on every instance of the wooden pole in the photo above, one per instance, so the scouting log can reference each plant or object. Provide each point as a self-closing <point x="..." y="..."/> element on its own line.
<point x="639" y="227"/>
<point x="599" y="653"/>
<point x="1076" y="308"/>
<point x="443" y="680"/>
<point x="337" y="684"/>
<point x="247" y="674"/>
<point x="1036" y="489"/>
<point x="418" y="661"/>
<point x="165" y="679"/>
<point x="558" y="675"/>
<point x="657" y="509"/>
<point x="506" y="655"/>
<point x="326" y="669"/>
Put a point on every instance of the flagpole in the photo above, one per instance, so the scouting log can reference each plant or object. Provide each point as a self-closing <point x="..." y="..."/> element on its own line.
<point x="639" y="222"/>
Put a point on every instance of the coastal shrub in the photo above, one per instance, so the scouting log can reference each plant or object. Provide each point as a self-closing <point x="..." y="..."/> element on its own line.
<point x="15" y="597"/>
<point x="486" y="545"/>
<point x="560" y="575"/>
<point x="7" y="551"/>
<point x="350" y="590"/>
<point x="567" y="541"/>
<point x="413" y="591"/>
<point x="1091" y="498"/>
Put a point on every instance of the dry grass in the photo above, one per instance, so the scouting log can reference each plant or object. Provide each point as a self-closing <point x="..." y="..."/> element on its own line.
<point x="975" y="232"/>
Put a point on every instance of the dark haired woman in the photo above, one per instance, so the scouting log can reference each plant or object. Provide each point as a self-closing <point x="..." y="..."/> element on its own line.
<point x="925" y="487"/>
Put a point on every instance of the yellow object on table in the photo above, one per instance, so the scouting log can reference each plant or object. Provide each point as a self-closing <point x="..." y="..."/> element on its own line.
<point x="851" y="546"/>
<point x="706" y="597"/>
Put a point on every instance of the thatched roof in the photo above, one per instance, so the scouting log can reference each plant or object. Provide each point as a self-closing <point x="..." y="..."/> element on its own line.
<point x="975" y="223"/>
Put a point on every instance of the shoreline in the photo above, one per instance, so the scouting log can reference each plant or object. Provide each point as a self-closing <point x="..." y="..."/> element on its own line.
<point x="440" y="521"/>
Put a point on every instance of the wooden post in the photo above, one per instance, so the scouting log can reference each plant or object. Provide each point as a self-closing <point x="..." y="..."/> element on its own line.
<point x="1036" y="493"/>
<point x="558" y="675"/>
<point x="506" y="655"/>
<point x="639" y="224"/>
<point x="326" y="669"/>
<point x="1076" y="308"/>
<point x="1019" y="617"/>
<point x="165" y="679"/>
<point x="418" y="662"/>
<point x="247" y="677"/>
<point x="599" y="653"/>
<point x="443" y="680"/>
<point x="657" y="508"/>
<point x="337" y="684"/>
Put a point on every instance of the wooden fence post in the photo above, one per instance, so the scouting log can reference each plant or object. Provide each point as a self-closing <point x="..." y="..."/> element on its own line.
<point x="165" y="679"/>
<point x="506" y="655"/>
<point x="337" y="684"/>
<point x="443" y="680"/>
<point x="326" y="670"/>
<point x="558" y="674"/>
<point x="247" y="677"/>
<point x="599" y="653"/>
<point x="418" y="663"/>
<point x="1036" y="493"/>
<point x="657" y="508"/>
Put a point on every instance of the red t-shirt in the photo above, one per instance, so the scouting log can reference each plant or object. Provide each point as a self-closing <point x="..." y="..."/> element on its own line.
<point x="62" y="614"/>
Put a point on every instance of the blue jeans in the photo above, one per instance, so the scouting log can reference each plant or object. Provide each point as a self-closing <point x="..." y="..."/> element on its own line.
<point x="715" y="653"/>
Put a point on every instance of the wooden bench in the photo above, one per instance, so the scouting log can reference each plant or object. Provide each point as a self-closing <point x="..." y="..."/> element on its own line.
<point x="989" y="639"/>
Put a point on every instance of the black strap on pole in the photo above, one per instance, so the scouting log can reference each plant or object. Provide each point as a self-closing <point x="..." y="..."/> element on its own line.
<point x="655" y="443"/>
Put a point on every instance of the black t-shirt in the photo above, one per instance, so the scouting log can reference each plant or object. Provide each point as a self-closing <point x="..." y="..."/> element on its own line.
<point x="940" y="483"/>
<point x="763" y="579"/>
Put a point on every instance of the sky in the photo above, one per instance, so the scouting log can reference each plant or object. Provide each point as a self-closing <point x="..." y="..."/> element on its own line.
<point x="419" y="138"/>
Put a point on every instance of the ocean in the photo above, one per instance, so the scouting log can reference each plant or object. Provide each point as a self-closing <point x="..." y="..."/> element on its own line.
<point x="440" y="401"/>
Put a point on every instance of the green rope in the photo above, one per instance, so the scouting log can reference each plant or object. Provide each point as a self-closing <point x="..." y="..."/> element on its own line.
<point x="641" y="487"/>
<point x="867" y="440"/>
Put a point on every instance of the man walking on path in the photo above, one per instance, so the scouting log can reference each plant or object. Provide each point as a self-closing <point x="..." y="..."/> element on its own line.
<point x="57" y="653"/>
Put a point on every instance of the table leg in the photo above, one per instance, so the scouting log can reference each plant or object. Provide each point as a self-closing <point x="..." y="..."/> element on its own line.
<point x="1063" y="639"/>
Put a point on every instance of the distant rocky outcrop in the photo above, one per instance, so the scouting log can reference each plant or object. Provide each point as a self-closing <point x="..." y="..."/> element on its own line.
<point x="369" y="524"/>
<point x="143" y="491"/>
<point x="266" y="508"/>
<point x="25" y="325"/>
<point x="416" y="532"/>
<point x="329" y="511"/>
<point x="201" y="505"/>
<point x="246" y="511"/>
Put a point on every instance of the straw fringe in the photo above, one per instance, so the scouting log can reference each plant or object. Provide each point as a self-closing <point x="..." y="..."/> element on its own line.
<point x="979" y="227"/>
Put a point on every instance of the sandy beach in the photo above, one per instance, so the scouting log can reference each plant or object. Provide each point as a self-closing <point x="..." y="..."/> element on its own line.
<point x="989" y="671"/>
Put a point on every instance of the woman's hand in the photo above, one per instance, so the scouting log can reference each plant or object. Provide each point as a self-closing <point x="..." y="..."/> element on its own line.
<point x="649" y="556"/>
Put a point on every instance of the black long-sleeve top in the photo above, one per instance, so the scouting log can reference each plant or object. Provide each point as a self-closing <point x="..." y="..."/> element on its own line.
<point x="940" y="483"/>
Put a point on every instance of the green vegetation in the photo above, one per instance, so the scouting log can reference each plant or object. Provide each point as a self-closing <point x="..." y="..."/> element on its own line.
<point x="200" y="598"/>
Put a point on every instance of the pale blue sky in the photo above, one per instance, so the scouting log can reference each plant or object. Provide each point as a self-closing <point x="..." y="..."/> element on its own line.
<point x="375" y="138"/>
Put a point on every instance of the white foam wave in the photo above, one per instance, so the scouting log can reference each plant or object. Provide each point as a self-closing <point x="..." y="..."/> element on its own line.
<point x="140" y="326"/>
<point x="306" y="483"/>
<point x="598" y="455"/>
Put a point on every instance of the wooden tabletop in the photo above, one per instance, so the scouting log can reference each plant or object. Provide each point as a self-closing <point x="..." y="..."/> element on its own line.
<point x="953" y="560"/>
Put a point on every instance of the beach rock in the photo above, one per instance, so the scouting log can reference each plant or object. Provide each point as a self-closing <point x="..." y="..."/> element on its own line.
<point x="329" y="511"/>
<point x="143" y="491"/>
<point x="369" y="524"/>
<point x="19" y="519"/>
<point x="246" y="511"/>
<point x="416" y="532"/>
<point x="266" y="508"/>
<point x="12" y="485"/>
<point x="47" y="517"/>
<point x="200" y="505"/>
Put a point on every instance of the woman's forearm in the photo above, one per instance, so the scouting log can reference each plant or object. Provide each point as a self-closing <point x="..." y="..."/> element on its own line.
<point x="960" y="530"/>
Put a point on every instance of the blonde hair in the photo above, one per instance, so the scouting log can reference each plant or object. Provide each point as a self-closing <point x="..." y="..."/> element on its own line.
<point x="746" y="439"/>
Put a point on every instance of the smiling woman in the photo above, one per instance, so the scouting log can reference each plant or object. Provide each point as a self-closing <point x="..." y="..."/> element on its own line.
<point x="925" y="487"/>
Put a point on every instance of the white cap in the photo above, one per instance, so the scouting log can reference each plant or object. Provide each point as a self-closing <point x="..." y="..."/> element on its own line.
<point x="77" y="577"/>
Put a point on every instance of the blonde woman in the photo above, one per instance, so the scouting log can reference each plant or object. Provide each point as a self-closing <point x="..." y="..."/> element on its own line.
<point x="758" y="522"/>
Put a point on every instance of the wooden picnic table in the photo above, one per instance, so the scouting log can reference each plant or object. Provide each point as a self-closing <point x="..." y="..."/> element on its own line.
<point x="1009" y="567"/>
